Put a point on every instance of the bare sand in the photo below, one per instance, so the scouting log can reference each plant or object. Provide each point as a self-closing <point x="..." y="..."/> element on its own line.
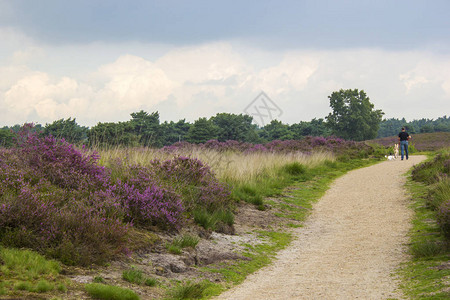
<point x="349" y="247"/>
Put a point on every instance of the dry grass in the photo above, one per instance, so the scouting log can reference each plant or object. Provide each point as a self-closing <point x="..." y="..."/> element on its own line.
<point x="228" y="166"/>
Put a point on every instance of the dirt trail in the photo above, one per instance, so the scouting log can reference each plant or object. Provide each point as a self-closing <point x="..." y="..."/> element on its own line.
<point x="349" y="246"/>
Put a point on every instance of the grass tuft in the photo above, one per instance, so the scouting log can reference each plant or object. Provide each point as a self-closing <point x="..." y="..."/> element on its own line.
<point x="133" y="275"/>
<point x="109" y="292"/>
<point x="188" y="290"/>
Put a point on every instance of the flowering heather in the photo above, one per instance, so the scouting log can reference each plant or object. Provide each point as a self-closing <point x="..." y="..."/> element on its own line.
<point x="59" y="200"/>
<point x="422" y="141"/>
<point x="308" y="144"/>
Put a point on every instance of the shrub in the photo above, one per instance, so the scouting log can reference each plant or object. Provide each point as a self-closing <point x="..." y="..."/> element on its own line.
<point x="108" y="292"/>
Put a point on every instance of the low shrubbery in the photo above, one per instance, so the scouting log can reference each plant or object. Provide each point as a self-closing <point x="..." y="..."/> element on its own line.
<point x="436" y="173"/>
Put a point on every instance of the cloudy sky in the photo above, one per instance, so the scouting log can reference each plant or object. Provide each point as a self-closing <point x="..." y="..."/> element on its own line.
<point x="100" y="60"/>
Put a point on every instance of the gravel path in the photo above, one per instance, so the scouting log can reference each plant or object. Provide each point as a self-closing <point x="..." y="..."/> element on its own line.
<point x="352" y="242"/>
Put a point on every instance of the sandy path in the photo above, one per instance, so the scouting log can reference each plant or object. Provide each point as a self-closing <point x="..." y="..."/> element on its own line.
<point x="351" y="243"/>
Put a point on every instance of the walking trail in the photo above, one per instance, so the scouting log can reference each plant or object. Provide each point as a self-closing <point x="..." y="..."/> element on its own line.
<point x="350" y="245"/>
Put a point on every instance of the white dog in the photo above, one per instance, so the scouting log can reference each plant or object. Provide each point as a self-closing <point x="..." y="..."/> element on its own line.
<point x="395" y="150"/>
<point x="390" y="157"/>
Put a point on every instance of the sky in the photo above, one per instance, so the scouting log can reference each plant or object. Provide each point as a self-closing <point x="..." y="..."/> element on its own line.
<point x="101" y="60"/>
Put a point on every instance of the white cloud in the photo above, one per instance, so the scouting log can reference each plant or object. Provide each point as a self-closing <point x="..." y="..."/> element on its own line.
<point x="202" y="80"/>
<point x="134" y="83"/>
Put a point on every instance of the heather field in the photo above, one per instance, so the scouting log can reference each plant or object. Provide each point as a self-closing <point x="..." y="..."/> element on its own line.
<point x="421" y="141"/>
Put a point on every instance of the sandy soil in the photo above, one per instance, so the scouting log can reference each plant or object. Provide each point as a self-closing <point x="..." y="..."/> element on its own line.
<point x="350" y="245"/>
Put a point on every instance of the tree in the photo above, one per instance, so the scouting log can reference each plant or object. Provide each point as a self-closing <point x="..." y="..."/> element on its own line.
<point x="353" y="116"/>
<point x="66" y="129"/>
<point x="276" y="130"/>
<point x="174" y="132"/>
<point x="147" y="127"/>
<point x="233" y="127"/>
<point x="113" y="134"/>
<point x="6" y="138"/>
<point x="202" y="131"/>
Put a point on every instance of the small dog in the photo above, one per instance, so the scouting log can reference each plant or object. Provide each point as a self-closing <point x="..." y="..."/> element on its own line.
<point x="395" y="150"/>
<point x="390" y="157"/>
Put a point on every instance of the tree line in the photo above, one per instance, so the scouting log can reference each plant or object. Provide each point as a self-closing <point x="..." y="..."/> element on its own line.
<point x="353" y="117"/>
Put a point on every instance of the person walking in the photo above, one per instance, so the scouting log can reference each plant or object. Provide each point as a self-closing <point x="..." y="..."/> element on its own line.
<point x="403" y="138"/>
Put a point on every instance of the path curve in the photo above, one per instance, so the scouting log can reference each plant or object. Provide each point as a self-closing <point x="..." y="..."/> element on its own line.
<point x="350" y="245"/>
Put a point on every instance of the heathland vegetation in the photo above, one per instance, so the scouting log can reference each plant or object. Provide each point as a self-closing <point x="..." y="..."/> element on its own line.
<point x="74" y="200"/>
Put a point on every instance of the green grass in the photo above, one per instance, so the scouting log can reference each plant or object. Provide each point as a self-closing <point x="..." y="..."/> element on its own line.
<point x="425" y="276"/>
<point x="133" y="275"/>
<point x="27" y="271"/>
<point x="27" y="264"/>
<point x="188" y="290"/>
<point x="181" y="242"/>
<point x="109" y="292"/>
<point x="213" y="220"/>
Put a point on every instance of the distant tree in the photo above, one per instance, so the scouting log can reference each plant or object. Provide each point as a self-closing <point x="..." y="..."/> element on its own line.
<point x="233" y="127"/>
<point x="276" y="130"/>
<point x="353" y="116"/>
<point x="202" y="131"/>
<point x="6" y="138"/>
<point x="316" y="127"/>
<point x="427" y="128"/>
<point x="113" y="134"/>
<point x="147" y="127"/>
<point x="67" y="129"/>
<point x="172" y="132"/>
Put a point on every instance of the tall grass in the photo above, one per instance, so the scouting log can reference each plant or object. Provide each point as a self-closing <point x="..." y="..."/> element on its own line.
<point x="228" y="166"/>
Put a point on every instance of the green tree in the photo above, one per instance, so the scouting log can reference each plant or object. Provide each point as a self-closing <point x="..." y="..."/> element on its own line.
<point x="67" y="129"/>
<point x="113" y="134"/>
<point x="353" y="116"/>
<point x="233" y="127"/>
<point x="276" y="130"/>
<point x="202" y="131"/>
<point x="6" y="138"/>
<point x="316" y="127"/>
<point x="147" y="127"/>
<point x="174" y="132"/>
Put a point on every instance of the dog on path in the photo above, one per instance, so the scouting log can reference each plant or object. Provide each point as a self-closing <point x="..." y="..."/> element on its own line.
<point x="396" y="150"/>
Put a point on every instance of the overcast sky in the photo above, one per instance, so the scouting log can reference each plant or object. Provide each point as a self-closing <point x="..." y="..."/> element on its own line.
<point x="100" y="60"/>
